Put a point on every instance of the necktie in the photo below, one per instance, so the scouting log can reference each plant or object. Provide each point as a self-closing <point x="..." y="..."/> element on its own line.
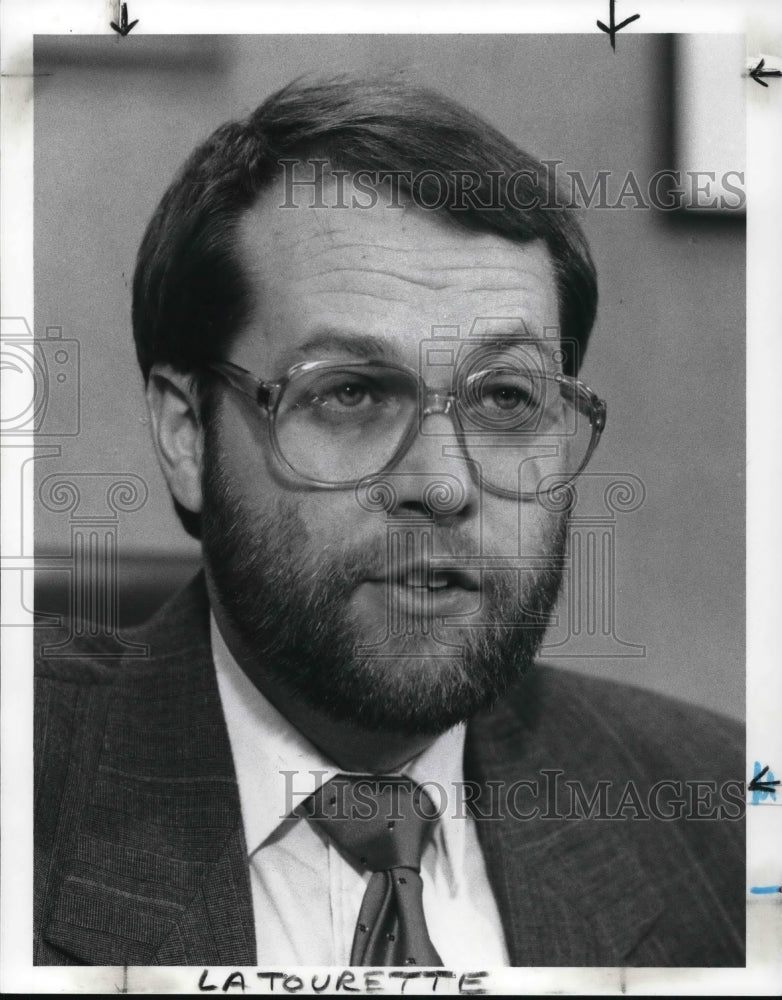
<point x="383" y="823"/>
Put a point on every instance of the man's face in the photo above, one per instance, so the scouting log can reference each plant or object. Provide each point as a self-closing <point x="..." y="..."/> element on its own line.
<point x="406" y="615"/>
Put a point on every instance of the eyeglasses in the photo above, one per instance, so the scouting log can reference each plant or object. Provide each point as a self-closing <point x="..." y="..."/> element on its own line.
<point x="335" y="424"/>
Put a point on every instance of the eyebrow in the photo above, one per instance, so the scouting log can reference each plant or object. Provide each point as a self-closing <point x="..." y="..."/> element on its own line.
<point x="329" y="340"/>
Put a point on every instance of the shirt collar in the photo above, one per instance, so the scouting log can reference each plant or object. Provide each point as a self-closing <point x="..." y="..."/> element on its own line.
<point x="439" y="768"/>
<point x="277" y="767"/>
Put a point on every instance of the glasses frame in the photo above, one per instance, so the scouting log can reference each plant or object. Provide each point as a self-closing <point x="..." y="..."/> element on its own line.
<point x="268" y="395"/>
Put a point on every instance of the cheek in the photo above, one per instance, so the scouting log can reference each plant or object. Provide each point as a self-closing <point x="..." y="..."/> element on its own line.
<point x="320" y="519"/>
<point x="517" y="529"/>
<point x="334" y="519"/>
<point x="247" y="459"/>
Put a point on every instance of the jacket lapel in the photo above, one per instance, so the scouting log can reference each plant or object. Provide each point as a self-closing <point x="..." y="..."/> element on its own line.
<point x="157" y="873"/>
<point x="570" y="891"/>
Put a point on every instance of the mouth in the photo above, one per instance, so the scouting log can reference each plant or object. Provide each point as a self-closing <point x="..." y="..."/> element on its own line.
<point x="434" y="578"/>
<point x="416" y="592"/>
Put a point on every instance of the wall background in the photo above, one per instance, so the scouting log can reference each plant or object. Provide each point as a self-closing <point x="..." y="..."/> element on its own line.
<point x="114" y="121"/>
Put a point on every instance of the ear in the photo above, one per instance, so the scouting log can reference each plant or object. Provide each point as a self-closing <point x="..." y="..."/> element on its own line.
<point x="177" y="433"/>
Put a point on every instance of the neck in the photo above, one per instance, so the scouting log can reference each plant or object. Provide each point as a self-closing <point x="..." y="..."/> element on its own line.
<point x="350" y="746"/>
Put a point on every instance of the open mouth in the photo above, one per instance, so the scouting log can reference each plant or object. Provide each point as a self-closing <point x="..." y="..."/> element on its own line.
<point x="434" y="579"/>
<point x="418" y="591"/>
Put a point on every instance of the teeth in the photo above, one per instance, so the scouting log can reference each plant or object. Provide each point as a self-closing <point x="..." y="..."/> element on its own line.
<point x="436" y="581"/>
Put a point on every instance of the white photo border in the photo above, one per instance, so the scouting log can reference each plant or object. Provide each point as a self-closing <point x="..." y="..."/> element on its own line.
<point x="761" y="23"/>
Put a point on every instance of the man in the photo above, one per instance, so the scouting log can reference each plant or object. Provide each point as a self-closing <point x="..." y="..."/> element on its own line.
<point x="360" y="315"/>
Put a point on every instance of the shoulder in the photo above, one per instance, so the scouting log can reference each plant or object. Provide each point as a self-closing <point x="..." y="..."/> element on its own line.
<point x="77" y="671"/>
<point x="662" y="730"/>
<point x="591" y="722"/>
<point x="77" y="653"/>
<point x="647" y="787"/>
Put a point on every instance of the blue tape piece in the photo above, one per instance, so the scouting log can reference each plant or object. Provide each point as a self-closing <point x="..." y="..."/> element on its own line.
<point x="761" y="794"/>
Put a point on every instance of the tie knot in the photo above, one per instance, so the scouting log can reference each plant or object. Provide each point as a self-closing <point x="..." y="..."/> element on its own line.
<point x="380" y="821"/>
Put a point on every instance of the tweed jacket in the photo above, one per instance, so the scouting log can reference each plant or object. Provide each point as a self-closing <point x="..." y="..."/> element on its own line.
<point x="140" y="856"/>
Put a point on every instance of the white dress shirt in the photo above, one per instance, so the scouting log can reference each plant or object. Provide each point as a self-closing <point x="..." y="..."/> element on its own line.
<point x="306" y="894"/>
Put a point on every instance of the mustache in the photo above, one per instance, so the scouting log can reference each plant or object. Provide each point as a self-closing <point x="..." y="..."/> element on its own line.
<point x="401" y="552"/>
<point x="286" y="593"/>
<point x="279" y="558"/>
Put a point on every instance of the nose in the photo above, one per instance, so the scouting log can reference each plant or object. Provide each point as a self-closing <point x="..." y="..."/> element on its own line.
<point x="434" y="479"/>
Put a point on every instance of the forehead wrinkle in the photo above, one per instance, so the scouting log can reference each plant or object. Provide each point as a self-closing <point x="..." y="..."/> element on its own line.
<point x="481" y="254"/>
<point x="445" y="266"/>
<point x="502" y="289"/>
<point x="380" y="272"/>
<point x="446" y="278"/>
<point x="359" y="294"/>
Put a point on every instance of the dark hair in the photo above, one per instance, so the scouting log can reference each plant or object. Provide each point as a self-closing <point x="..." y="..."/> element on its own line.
<point x="190" y="294"/>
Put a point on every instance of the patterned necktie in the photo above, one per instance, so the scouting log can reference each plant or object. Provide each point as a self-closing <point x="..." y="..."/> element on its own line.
<point x="383" y="823"/>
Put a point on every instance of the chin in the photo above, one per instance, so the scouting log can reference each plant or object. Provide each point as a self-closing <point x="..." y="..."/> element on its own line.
<point x="416" y="645"/>
<point x="415" y="685"/>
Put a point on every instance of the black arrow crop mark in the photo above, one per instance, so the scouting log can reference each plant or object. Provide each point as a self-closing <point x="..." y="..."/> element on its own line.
<point x="123" y="28"/>
<point x="612" y="28"/>
<point x="758" y="72"/>
<point x="757" y="784"/>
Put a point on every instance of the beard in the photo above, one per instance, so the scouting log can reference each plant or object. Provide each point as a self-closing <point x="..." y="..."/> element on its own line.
<point x="289" y="607"/>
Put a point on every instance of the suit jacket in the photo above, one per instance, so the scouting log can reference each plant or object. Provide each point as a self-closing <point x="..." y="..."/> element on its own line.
<point x="140" y="856"/>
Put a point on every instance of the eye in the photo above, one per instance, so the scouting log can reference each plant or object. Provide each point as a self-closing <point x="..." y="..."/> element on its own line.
<point x="505" y="397"/>
<point x="504" y="391"/>
<point x="345" y="395"/>
<point x="349" y="394"/>
<point x="349" y="397"/>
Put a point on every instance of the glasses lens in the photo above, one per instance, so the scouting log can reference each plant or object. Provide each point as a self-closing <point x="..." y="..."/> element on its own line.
<point x="339" y="424"/>
<point x="525" y="429"/>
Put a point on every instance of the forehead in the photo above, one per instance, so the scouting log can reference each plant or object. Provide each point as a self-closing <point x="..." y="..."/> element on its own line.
<point x="377" y="281"/>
